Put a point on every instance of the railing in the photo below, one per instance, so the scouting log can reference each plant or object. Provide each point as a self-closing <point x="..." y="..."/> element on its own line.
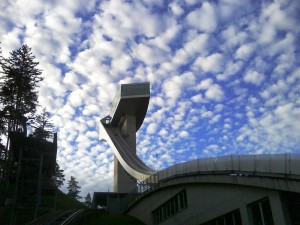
<point x="265" y="165"/>
<point x="59" y="217"/>
<point x="72" y="217"/>
<point x="45" y="218"/>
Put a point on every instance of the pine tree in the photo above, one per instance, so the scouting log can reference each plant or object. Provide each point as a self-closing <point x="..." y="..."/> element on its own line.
<point x="43" y="126"/>
<point x="58" y="177"/>
<point x="18" y="95"/>
<point x="88" y="200"/>
<point x="2" y="147"/>
<point x="73" y="188"/>
<point x="18" y="91"/>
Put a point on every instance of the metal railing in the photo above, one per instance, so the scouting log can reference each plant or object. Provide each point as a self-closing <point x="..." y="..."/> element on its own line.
<point x="265" y="165"/>
<point x="59" y="217"/>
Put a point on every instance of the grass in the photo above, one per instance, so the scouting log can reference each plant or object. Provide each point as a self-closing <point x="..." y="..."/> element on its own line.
<point x="65" y="202"/>
<point x="100" y="218"/>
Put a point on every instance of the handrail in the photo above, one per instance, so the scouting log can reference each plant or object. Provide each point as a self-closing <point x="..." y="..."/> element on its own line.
<point x="41" y="220"/>
<point x="272" y="164"/>
<point x="73" y="216"/>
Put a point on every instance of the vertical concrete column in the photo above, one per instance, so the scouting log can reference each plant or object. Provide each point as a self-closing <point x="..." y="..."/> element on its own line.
<point x="244" y="215"/>
<point x="277" y="209"/>
<point x="123" y="183"/>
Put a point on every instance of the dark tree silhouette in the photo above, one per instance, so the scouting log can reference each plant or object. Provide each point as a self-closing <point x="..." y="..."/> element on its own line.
<point x="2" y="131"/>
<point x="43" y="126"/>
<point x="88" y="200"/>
<point x="59" y="177"/>
<point x="18" y="82"/>
<point x="73" y="188"/>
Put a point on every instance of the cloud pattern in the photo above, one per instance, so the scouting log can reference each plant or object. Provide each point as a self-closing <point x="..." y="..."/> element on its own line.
<point x="225" y="76"/>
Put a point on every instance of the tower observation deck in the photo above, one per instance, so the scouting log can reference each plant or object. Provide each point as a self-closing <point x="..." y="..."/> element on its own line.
<point x="119" y="130"/>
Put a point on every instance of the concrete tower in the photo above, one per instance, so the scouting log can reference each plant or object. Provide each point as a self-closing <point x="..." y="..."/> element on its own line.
<point x="119" y="129"/>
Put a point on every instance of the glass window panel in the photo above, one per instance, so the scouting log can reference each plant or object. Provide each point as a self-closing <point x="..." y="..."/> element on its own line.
<point x="164" y="212"/>
<point x="168" y="209"/>
<point x="155" y="216"/>
<point x="267" y="212"/>
<point x="185" y="199"/>
<point x="256" y="215"/>
<point x="181" y="196"/>
<point x="237" y="218"/>
<point x="172" y="203"/>
<point x="220" y="221"/>
<point x="176" y="204"/>
<point x="229" y="219"/>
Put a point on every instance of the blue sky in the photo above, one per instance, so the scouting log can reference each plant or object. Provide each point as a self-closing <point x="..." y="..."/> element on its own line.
<point x="225" y="76"/>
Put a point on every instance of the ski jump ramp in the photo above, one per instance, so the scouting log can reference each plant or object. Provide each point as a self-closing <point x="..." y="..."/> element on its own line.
<point x="126" y="117"/>
<point x="119" y="130"/>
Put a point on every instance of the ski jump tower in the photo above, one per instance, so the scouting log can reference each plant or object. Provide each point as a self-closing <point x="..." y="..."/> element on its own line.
<point x="119" y="129"/>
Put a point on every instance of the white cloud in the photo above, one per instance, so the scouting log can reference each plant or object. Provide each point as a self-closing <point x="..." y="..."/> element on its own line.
<point x="231" y="69"/>
<point x="197" y="44"/>
<point x="205" y="84"/>
<point x="122" y="63"/>
<point x="232" y="37"/>
<point x="204" y="18"/>
<point x="184" y="134"/>
<point x="151" y="129"/>
<point x="11" y="40"/>
<point x="76" y="98"/>
<point x="197" y="98"/>
<point x="176" y="9"/>
<point x="215" y="119"/>
<point x="254" y="77"/>
<point x="164" y="39"/>
<point x="173" y="87"/>
<point x="191" y="2"/>
<point x="212" y="63"/>
<point x="118" y="21"/>
<point x="283" y="45"/>
<point x="149" y="54"/>
<point x="295" y="75"/>
<point x="274" y="19"/>
<point x="91" y="109"/>
<point x="244" y="51"/>
<point x="192" y="48"/>
<point x="212" y="91"/>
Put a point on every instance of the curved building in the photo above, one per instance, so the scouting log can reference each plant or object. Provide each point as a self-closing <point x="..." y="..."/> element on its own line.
<point x="227" y="190"/>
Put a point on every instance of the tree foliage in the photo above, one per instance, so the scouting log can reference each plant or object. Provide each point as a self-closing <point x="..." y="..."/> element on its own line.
<point x="18" y="94"/>
<point x="43" y="126"/>
<point x="59" y="177"/>
<point x="73" y="188"/>
<point x="88" y="200"/>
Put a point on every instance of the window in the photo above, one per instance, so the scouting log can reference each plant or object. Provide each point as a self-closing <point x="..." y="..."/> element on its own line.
<point x="170" y="207"/>
<point x="292" y="201"/>
<point x="232" y="218"/>
<point x="261" y="213"/>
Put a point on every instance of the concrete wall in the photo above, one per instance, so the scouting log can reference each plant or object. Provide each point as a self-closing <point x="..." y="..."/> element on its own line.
<point x="208" y="201"/>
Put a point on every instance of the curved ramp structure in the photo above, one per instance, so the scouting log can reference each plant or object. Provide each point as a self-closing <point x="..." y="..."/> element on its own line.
<point x="130" y="161"/>
<point x="119" y="130"/>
